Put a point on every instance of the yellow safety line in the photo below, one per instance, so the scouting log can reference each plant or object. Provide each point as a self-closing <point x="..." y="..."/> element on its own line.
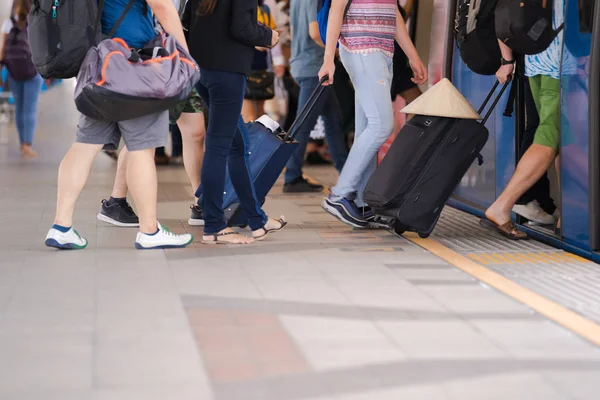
<point x="554" y="311"/>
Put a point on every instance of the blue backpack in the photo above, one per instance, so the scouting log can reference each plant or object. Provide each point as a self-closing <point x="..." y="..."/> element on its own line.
<point x="323" y="16"/>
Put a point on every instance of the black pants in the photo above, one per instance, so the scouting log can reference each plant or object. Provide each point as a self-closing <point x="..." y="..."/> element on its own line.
<point x="177" y="148"/>
<point x="540" y="191"/>
<point x="177" y="142"/>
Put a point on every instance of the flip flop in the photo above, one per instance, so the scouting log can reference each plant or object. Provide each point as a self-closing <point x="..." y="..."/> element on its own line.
<point x="508" y="230"/>
<point x="283" y="223"/>
<point x="216" y="238"/>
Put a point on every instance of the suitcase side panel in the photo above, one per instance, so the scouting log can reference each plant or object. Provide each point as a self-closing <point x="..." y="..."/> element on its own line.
<point x="442" y="175"/>
<point x="405" y="157"/>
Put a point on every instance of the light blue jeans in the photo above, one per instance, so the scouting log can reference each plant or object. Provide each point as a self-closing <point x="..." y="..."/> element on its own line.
<point x="371" y="75"/>
<point x="26" y="95"/>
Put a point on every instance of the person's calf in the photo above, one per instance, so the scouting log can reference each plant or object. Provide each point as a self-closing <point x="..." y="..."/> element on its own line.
<point x="120" y="186"/>
<point x="142" y="182"/>
<point x="73" y="173"/>
<point x="72" y="177"/>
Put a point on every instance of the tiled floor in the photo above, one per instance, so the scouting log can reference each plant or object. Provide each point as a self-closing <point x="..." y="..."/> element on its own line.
<point x="317" y="312"/>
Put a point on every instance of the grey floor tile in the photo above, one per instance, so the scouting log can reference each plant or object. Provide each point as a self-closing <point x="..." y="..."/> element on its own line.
<point x="153" y="360"/>
<point x="440" y="340"/>
<point x="517" y="386"/>
<point x="45" y="361"/>
<point x="152" y="392"/>
<point x="329" y="343"/>
<point x="38" y="394"/>
<point x="408" y="393"/>
<point x="576" y="385"/>
<point x="537" y="338"/>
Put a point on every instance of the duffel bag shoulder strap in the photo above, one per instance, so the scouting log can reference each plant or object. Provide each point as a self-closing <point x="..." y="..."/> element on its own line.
<point x="113" y="31"/>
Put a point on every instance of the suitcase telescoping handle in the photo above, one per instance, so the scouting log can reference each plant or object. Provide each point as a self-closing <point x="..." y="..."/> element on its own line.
<point x="496" y="100"/>
<point x="306" y="110"/>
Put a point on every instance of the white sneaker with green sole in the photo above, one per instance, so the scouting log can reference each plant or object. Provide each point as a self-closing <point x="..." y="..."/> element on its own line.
<point x="163" y="239"/>
<point x="69" y="240"/>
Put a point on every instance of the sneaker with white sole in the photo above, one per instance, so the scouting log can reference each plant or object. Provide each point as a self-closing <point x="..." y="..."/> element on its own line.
<point x="162" y="239"/>
<point x="534" y="213"/>
<point x="69" y="240"/>
<point x="118" y="212"/>
<point x="346" y="211"/>
<point x="196" y="217"/>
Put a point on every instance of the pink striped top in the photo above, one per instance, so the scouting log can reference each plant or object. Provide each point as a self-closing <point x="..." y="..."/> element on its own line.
<point x="370" y="26"/>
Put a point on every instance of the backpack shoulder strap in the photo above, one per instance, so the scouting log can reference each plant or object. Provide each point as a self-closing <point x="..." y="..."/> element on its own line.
<point x="266" y="13"/>
<point x="113" y="31"/>
<point x="347" y="8"/>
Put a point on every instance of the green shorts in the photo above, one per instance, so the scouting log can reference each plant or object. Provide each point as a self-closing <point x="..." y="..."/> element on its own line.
<point x="546" y="94"/>
<point x="193" y="105"/>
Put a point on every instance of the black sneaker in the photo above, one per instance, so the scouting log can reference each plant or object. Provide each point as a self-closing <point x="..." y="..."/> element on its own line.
<point x="301" y="185"/>
<point x="118" y="213"/>
<point x="197" y="218"/>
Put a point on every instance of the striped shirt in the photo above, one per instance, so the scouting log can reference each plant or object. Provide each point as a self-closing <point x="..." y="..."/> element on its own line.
<point x="370" y="26"/>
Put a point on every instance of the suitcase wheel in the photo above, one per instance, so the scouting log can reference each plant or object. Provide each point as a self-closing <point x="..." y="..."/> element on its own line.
<point x="398" y="229"/>
<point x="424" y="235"/>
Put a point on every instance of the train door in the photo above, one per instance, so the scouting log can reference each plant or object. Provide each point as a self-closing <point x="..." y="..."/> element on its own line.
<point x="576" y="189"/>
<point x="482" y="184"/>
<point x="578" y="113"/>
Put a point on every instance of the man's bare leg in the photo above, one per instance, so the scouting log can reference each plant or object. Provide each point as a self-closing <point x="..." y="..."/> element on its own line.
<point x="534" y="163"/>
<point x="143" y="185"/>
<point x="73" y="174"/>
<point x="193" y="134"/>
<point x="120" y="186"/>
<point x="142" y="182"/>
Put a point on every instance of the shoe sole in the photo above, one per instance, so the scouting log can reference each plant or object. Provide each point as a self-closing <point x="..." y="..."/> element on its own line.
<point x="105" y="218"/>
<point x="336" y="213"/>
<point x="162" y="247"/>
<point x="195" y="222"/>
<point x="533" y="220"/>
<point x="63" y="246"/>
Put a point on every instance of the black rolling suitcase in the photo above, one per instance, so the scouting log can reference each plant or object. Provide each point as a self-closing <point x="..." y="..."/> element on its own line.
<point x="424" y="166"/>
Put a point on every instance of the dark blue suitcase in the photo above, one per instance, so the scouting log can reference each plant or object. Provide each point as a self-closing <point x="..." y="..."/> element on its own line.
<point x="269" y="152"/>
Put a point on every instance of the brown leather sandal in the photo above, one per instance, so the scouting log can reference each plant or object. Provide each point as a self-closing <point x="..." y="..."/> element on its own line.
<point x="508" y="230"/>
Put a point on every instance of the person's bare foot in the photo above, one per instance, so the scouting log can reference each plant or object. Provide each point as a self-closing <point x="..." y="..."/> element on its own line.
<point x="272" y="225"/>
<point x="28" y="151"/>
<point x="497" y="215"/>
<point x="502" y="220"/>
<point x="226" y="236"/>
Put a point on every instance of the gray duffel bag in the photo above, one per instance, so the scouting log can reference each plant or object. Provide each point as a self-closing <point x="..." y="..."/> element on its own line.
<point x="117" y="83"/>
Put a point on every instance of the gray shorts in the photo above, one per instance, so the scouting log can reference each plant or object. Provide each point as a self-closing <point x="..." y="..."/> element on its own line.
<point x="147" y="132"/>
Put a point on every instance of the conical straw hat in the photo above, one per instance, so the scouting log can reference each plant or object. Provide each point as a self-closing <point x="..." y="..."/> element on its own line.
<point x="442" y="100"/>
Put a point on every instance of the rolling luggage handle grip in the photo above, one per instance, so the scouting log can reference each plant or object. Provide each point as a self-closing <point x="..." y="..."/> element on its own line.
<point x="495" y="102"/>
<point x="306" y="110"/>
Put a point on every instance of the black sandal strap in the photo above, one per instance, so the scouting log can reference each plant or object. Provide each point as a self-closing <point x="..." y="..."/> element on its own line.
<point x="225" y="234"/>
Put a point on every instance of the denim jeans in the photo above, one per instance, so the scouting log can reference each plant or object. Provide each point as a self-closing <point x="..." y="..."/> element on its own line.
<point x="26" y="95"/>
<point x="329" y="108"/>
<point x="223" y="94"/>
<point x="371" y="76"/>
